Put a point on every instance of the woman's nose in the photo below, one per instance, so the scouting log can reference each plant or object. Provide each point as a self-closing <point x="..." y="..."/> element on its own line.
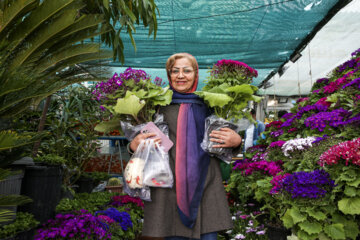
<point x="181" y="74"/>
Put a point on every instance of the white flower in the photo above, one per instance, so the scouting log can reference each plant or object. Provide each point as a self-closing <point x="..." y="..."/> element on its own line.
<point x="239" y="236"/>
<point x="228" y="231"/>
<point x="233" y="218"/>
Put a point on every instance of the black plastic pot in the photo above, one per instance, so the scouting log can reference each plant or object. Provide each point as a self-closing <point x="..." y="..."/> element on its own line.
<point x="277" y="233"/>
<point x="223" y="153"/>
<point x="43" y="185"/>
<point x="85" y="185"/>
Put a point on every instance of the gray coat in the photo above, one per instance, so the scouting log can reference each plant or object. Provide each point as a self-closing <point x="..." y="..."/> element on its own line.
<point x="161" y="216"/>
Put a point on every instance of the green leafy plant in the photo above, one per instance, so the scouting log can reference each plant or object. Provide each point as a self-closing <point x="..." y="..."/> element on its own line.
<point x="23" y="222"/>
<point x="50" y="159"/>
<point x="228" y="89"/>
<point x="132" y="97"/>
<point x="91" y="202"/>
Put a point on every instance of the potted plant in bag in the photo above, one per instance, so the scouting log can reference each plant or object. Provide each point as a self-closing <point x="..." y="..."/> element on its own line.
<point x="227" y="92"/>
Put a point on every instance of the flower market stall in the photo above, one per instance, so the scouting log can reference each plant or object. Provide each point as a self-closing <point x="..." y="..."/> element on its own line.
<point x="304" y="176"/>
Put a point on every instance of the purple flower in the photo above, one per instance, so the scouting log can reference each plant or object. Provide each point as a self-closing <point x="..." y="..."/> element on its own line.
<point x="355" y="82"/>
<point x="313" y="184"/>
<point x="123" y="218"/>
<point x="277" y="133"/>
<point x="320" y="120"/>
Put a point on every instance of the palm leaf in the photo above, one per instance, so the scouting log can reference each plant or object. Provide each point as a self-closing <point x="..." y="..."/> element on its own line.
<point x="13" y="200"/>
<point x="42" y="13"/>
<point x="79" y="59"/>
<point x="67" y="53"/>
<point x="6" y="215"/>
<point x="46" y="32"/>
<point x="11" y="13"/>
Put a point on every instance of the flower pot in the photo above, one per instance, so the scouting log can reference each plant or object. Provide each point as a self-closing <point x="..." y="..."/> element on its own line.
<point x="25" y="235"/>
<point x="277" y="232"/>
<point x="43" y="185"/>
<point x="11" y="185"/>
<point x="85" y="185"/>
<point x="117" y="189"/>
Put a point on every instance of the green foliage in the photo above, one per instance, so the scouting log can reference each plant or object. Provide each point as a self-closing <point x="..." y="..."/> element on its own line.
<point x="23" y="222"/>
<point x="228" y="101"/>
<point x="71" y="118"/>
<point x="50" y="159"/>
<point x="91" y="202"/>
<point x="135" y="102"/>
<point x="96" y="176"/>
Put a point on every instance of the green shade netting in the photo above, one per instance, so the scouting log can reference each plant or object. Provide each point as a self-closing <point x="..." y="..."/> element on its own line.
<point x="261" y="33"/>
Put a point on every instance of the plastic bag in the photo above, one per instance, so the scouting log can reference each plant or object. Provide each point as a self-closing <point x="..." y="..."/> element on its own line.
<point x="134" y="174"/>
<point x="215" y="123"/>
<point x="157" y="171"/>
<point x="130" y="131"/>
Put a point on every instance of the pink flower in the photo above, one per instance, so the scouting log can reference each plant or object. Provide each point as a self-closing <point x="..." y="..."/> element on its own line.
<point x="348" y="151"/>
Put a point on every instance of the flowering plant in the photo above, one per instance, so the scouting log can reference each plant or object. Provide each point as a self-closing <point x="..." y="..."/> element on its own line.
<point x="343" y="161"/>
<point x="228" y="89"/>
<point x="78" y="225"/>
<point x="130" y="96"/>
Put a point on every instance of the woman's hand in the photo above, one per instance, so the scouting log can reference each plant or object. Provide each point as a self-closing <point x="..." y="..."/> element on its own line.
<point x="143" y="136"/>
<point x="226" y="137"/>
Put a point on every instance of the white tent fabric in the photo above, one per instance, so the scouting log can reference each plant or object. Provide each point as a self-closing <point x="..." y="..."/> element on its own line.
<point x="330" y="47"/>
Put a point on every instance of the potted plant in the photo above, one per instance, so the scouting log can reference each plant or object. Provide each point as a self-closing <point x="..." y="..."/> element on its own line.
<point x="22" y="228"/>
<point x="89" y="180"/>
<point x="114" y="185"/>
<point x="227" y="92"/>
<point x="130" y="97"/>
<point x="42" y="183"/>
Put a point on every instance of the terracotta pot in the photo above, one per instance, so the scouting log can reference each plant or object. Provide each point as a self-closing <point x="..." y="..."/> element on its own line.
<point x="117" y="189"/>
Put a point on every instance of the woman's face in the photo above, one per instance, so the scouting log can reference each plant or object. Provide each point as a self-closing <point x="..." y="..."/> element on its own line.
<point x="182" y="75"/>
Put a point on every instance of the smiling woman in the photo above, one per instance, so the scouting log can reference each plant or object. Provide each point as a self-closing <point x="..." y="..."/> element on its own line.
<point x="196" y="206"/>
<point x="183" y="72"/>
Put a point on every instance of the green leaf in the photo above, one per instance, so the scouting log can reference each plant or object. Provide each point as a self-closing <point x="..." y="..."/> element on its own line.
<point x="318" y="215"/>
<point x="108" y="126"/>
<point x="215" y="99"/>
<point x="311" y="227"/>
<point x="351" y="229"/>
<point x="305" y="236"/>
<point x="296" y="215"/>
<point x="243" y="89"/>
<point x="355" y="183"/>
<point x="349" y="205"/>
<point x="130" y="105"/>
<point x="106" y="4"/>
<point x="163" y="100"/>
<point x="350" y="191"/>
<point x="287" y="219"/>
<point x="335" y="231"/>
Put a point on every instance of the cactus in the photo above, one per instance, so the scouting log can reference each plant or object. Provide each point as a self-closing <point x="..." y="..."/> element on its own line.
<point x="114" y="181"/>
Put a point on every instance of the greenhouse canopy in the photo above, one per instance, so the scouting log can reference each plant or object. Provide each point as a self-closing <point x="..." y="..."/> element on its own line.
<point x="265" y="34"/>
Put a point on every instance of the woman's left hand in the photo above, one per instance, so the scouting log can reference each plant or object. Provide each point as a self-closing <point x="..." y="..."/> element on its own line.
<point x="226" y="137"/>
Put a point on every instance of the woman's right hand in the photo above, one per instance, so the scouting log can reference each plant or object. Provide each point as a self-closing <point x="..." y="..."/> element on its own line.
<point x="142" y="136"/>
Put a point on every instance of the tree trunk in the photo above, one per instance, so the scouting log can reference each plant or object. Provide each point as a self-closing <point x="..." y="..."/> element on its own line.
<point x="41" y="124"/>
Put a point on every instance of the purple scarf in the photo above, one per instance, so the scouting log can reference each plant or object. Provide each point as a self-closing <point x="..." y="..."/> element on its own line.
<point x="192" y="162"/>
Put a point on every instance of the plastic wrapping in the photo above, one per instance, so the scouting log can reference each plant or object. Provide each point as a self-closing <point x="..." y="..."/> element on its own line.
<point x="157" y="171"/>
<point x="215" y="123"/>
<point x="130" y="131"/>
<point x="134" y="174"/>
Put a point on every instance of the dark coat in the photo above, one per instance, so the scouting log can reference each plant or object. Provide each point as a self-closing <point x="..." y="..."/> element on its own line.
<point x="161" y="216"/>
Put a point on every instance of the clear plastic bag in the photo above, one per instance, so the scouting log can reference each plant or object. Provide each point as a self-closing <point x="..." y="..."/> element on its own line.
<point x="134" y="174"/>
<point x="157" y="171"/>
<point x="215" y="123"/>
<point x="130" y="131"/>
